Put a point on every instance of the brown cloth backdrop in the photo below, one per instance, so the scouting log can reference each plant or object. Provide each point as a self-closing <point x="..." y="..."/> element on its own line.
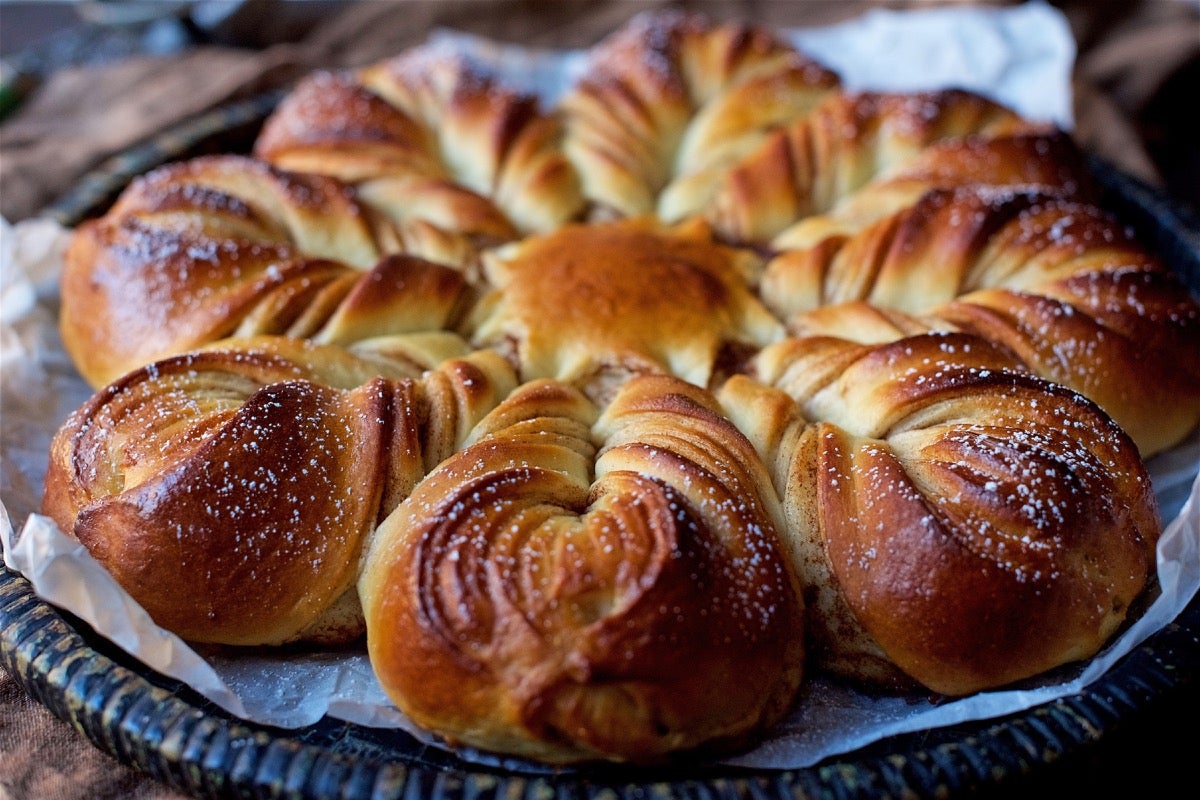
<point x="1137" y="81"/>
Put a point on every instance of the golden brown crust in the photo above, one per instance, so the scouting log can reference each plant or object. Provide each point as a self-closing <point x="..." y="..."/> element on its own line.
<point x="239" y="198"/>
<point x="426" y="136"/>
<point x="571" y="587"/>
<point x="669" y="101"/>
<point x="819" y="161"/>
<point x="231" y="491"/>
<point x="1042" y="160"/>
<point x="597" y="303"/>
<point x="226" y="246"/>
<point x="1057" y="282"/>
<point x="940" y="500"/>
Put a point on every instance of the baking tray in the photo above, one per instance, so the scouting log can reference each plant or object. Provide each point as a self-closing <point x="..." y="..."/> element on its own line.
<point x="163" y="728"/>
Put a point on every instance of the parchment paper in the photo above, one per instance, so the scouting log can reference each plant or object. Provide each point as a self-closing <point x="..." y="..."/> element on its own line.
<point x="1020" y="56"/>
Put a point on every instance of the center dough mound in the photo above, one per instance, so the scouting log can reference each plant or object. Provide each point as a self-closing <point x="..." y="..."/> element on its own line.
<point x="595" y="304"/>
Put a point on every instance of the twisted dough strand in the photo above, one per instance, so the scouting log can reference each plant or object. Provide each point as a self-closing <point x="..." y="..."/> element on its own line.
<point x="226" y="246"/>
<point x="821" y="160"/>
<point x="955" y="522"/>
<point x="518" y="601"/>
<point x="670" y="101"/>
<point x="1043" y="160"/>
<point x="1057" y="282"/>
<point x="231" y="491"/>
<point x="429" y="139"/>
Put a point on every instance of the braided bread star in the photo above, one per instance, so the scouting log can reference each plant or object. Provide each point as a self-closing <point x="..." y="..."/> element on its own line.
<point x="572" y="586"/>
<point x="597" y="418"/>
<point x="231" y="491"/>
